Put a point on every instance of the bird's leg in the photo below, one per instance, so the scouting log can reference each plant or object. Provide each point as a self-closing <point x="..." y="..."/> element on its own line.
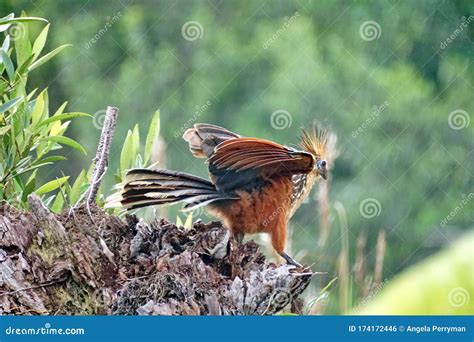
<point x="239" y="237"/>
<point x="290" y="260"/>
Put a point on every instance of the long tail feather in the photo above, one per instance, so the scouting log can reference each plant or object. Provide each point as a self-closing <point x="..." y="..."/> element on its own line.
<point x="145" y="187"/>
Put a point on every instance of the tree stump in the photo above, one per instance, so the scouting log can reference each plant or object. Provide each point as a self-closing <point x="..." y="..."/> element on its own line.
<point x="95" y="263"/>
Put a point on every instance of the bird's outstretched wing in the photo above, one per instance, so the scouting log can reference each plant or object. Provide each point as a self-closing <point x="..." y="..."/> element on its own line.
<point x="241" y="162"/>
<point x="203" y="138"/>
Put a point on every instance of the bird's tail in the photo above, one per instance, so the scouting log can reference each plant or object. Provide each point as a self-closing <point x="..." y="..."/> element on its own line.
<point x="144" y="187"/>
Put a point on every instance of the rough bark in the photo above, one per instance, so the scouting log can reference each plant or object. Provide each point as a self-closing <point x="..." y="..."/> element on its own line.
<point x="100" y="264"/>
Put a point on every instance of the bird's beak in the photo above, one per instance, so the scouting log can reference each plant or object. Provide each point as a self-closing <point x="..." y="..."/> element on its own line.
<point x="324" y="175"/>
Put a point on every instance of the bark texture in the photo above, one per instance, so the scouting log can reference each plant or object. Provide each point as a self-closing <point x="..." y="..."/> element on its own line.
<point x="81" y="264"/>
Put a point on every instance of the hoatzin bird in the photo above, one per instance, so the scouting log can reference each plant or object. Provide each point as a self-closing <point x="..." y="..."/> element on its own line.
<point x="255" y="185"/>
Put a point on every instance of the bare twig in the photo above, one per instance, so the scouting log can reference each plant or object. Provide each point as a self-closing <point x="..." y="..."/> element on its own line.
<point x="101" y="159"/>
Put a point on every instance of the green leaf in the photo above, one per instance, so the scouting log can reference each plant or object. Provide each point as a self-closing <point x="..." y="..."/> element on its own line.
<point x="189" y="221"/>
<point x="136" y="141"/>
<point x="52" y="185"/>
<point x="65" y="141"/>
<point x="50" y="159"/>
<point x="24" y="67"/>
<point x="7" y="62"/>
<point x="40" y="41"/>
<point x="29" y="186"/>
<point x="4" y="129"/>
<point x="58" y="203"/>
<point x="12" y="20"/>
<point x="47" y="57"/>
<point x="22" y="41"/>
<point x="152" y="136"/>
<point x="38" y="109"/>
<point x="77" y="187"/>
<point x="7" y="105"/>
<point x="4" y="27"/>
<point x="6" y="44"/>
<point x="127" y="153"/>
<point x="179" y="223"/>
<point x="62" y="117"/>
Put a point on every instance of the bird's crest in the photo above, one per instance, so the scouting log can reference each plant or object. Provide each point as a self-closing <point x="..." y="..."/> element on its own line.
<point x="315" y="141"/>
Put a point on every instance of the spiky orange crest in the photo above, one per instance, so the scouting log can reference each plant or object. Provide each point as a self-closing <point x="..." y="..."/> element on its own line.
<point x="315" y="141"/>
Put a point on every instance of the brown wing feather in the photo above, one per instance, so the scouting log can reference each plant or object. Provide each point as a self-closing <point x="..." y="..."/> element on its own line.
<point x="242" y="154"/>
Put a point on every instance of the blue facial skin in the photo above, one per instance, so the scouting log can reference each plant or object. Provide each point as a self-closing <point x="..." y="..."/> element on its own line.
<point x="321" y="166"/>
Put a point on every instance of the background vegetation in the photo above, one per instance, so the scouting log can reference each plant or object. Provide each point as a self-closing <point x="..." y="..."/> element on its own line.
<point x="393" y="79"/>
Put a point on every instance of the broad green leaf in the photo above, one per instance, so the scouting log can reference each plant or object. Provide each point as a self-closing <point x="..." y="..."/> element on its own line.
<point x="47" y="57"/>
<point x="6" y="44"/>
<point x="22" y="41"/>
<point x="77" y="187"/>
<point x="24" y="67"/>
<point x="152" y="136"/>
<point x="136" y="139"/>
<point x="52" y="185"/>
<point x="29" y="186"/>
<point x="62" y="117"/>
<point x="7" y="105"/>
<point x="58" y="203"/>
<point x="38" y="109"/>
<point x="40" y="41"/>
<point x="441" y="284"/>
<point x="127" y="153"/>
<point x="7" y="62"/>
<point x="65" y="141"/>
<point x="189" y="221"/>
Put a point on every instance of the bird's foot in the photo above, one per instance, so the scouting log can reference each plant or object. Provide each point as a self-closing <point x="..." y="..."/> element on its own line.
<point x="290" y="260"/>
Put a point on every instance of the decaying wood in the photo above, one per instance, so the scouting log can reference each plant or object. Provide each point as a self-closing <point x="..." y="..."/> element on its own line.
<point x="50" y="264"/>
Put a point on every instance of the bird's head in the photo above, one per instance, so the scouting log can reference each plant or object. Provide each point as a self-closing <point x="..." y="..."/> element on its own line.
<point x="315" y="142"/>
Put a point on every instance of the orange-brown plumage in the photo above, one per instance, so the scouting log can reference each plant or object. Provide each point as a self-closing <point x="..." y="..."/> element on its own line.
<point x="255" y="185"/>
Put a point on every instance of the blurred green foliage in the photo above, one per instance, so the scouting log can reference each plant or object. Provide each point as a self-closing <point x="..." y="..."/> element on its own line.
<point x="400" y="101"/>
